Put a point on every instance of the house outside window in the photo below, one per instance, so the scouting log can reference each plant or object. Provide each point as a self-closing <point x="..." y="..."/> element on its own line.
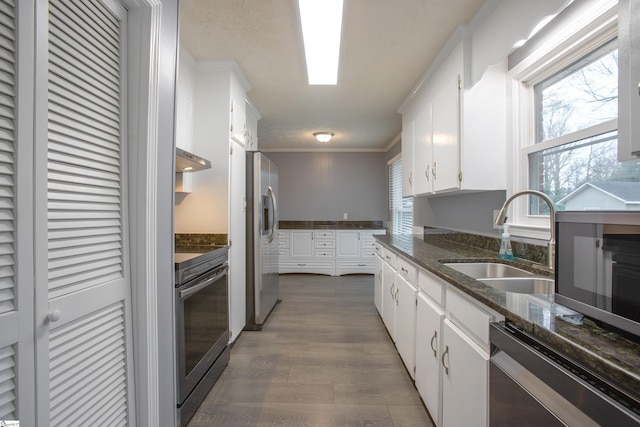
<point x="565" y="93"/>
<point x="400" y="208"/>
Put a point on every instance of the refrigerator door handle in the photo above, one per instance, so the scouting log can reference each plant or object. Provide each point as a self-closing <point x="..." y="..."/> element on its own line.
<point x="275" y="214"/>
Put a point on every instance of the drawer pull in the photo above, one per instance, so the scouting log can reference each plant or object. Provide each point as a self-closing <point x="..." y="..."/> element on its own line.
<point x="362" y="265"/>
<point x="433" y="338"/>
<point x="301" y="265"/>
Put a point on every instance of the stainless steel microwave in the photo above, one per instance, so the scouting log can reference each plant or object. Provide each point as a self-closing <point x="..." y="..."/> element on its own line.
<point x="598" y="265"/>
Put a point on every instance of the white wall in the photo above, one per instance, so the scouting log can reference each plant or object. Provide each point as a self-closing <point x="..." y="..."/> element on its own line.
<point x="205" y="209"/>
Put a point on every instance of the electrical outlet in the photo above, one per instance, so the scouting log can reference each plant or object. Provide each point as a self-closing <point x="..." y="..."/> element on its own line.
<point x="345" y="215"/>
<point x="495" y="215"/>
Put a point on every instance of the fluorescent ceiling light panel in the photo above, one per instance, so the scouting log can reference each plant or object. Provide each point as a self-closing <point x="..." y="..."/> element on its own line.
<point x="321" y="28"/>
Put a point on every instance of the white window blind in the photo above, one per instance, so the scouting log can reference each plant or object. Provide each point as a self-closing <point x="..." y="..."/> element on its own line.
<point x="401" y="209"/>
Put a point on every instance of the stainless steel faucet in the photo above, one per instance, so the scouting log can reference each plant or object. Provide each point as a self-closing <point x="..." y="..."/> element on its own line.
<point x="502" y="217"/>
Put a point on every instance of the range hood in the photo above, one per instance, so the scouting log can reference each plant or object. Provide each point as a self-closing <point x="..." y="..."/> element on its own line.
<point x="188" y="162"/>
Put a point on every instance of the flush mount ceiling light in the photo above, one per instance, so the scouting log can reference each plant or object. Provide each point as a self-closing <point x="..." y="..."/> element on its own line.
<point x="323" y="136"/>
<point x="321" y="28"/>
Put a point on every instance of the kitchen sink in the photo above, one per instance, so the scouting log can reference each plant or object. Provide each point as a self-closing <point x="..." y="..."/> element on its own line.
<point x="522" y="285"/>
<point x="487" y="270"/>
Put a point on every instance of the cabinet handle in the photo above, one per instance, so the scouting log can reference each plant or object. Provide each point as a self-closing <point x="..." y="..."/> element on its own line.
<point x="433" y="338"/>
<point x="396" y="296"/>
<point x="404" y="271"/>
<point x="434" y="170"/>
<point x="426" y="173"/>
<point x="380" y="276"/>
<point x="446" y="353"/>
<point x="301" y="265"/>
<point x="392" y="286"/>
<point x="410" y="178"/>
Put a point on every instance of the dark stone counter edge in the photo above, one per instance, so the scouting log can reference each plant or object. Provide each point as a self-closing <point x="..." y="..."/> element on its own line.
<point x="607" y="354"/>
<point x="331" y="225"/>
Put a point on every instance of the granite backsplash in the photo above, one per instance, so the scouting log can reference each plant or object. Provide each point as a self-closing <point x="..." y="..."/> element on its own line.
<point x="526" y="251"/>
<point x="199" y="240"/>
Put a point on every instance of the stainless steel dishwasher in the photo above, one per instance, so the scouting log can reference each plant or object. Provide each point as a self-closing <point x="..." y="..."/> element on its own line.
<point x="532" y="385"/>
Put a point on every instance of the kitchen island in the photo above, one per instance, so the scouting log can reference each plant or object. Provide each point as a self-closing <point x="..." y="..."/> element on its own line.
<point x="611" y="356"/>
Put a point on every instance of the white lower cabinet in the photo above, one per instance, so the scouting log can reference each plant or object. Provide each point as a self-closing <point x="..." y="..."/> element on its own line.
<point x="405" y="334"/>
<point x="465" y="379"/>
<point x="377" y="285"/>
<point x="429" y="320"/>
<point x="442" y="336"/>
<point x="389" y="290"/>
<point x="331" y="252"/>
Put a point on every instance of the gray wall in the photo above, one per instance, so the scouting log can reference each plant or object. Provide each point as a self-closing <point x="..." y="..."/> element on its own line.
<point x="470" y="212"/>
<point x="322" y="186"/>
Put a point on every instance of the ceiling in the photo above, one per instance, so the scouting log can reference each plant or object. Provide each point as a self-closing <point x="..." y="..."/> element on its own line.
<point x="386" y="47"/>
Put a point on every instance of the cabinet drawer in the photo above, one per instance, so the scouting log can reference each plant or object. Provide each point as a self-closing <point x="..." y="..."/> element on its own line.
<point x="469" y="317"/>
<point x="408" y="271"/>
<point x="283" y="252"/>
<point x="390" y="257"/>
<point x="367" y="244"/>
<point x="317" y="266"/>
<point x="324" y="244"/>
<point x="283" y="243"/>
<point x="283" y="234"/>
<point x="354" y="267"/>
<point x="325" y="234"/>
<point x="431" y="286"/>
<point x="368" y="253"/>
<point x="379" y="250"/>
<point x="325" y="253"/>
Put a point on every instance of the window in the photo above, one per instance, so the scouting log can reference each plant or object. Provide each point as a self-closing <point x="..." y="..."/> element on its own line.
<point x="565" y="96"/>
<point x="400" y="208"/>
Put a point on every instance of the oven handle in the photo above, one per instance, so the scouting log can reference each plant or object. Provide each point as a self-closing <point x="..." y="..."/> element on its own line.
<point x="221" y="271"/>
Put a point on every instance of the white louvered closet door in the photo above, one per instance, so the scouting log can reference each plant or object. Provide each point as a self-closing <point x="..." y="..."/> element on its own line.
<point x="88" y="285"/>
<point x="9" y="319"/>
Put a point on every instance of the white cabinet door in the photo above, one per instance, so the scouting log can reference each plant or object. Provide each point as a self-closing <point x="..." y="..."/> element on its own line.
<point x="84" y="369"/>
<point x="446" y="136"/>
<point x="405" y="322"/>
<point x="465" y="382"/>
<point x="422" y="152"/>
<point x="348" y="244"/>
<point x="389" y="299"/>
<point x="377" y="285"/>
<point x="301" y="242"/>
<point x="237" y="241"/>
<point x="407" y="155"/>
<point x="429" y="320"/>
<point x="238" y="125"/>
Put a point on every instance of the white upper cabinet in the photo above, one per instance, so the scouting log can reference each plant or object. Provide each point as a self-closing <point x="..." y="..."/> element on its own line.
<point x="455" y="120"/>
<point x="628" y="79"/>
<point x="451" y="126"/>
<point x="407" y="155"/>
<point x="251" y="134"/>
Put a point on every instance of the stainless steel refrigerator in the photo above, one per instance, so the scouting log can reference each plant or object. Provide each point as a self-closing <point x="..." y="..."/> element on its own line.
<point x="262" y="239"/>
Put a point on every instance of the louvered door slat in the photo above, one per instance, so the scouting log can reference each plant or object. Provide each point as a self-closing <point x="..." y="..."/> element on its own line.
<point x="7" y="147"/>
<point x="82" y="355"/>
<point x="8" y="383"/>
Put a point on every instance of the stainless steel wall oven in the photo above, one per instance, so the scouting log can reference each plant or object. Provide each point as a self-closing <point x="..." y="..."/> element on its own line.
<point x="202" y="325"/>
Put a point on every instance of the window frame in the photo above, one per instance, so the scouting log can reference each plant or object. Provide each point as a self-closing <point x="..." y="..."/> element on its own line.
<point x="548" y="52"/>
<point x="395" y="214"/>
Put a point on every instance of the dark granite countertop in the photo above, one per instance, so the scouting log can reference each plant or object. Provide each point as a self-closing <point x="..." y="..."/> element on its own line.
<point x="331" y="225"/>
<point x="607" y="354"/>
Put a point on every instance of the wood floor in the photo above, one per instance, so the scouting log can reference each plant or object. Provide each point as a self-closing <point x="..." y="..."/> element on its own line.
<point x="323" y="359"/>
